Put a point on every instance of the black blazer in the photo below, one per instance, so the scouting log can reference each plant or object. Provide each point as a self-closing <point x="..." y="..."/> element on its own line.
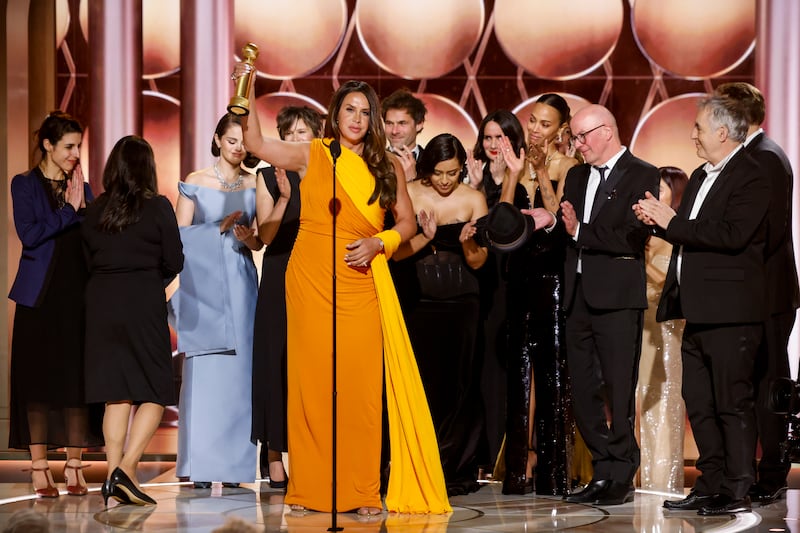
<point x="782" y="286"/>
<point x="611" y="245"/>
<point x="722" y="273"/>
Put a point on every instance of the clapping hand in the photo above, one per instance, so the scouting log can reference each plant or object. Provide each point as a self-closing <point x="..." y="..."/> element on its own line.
<point x="229" y="221"/>
<point x="474" y="170"/>
<point x="467" y="231"/>
<point x="569" y="217"/>
<point x="511" y="160"/>
<point x="427" y="220"/>
<point x="652" y="211"/>
<point x="284" y="187"/>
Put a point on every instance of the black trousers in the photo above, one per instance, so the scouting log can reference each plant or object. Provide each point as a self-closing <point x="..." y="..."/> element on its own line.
<point x="718" y="362"/>
<point x="603" y="349"/>
<point x="772" y="362"/>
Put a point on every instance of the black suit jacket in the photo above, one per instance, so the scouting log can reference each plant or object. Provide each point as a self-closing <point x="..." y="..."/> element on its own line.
<point x="782" y="286"/>
<point x="611" y="245"/>
<point x="722" y="272"/>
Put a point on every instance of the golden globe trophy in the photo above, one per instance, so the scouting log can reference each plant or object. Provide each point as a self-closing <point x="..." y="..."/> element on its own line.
<point x="240" y="104"/>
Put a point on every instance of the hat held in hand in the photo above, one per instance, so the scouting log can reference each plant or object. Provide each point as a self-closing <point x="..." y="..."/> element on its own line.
<point x="506" y="228"/>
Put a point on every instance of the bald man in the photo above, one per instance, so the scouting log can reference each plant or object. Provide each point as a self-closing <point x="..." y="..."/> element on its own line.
<point x="605" y="298"/>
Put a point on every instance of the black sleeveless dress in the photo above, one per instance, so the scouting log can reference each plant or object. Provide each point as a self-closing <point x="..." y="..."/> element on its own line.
<point x="441" y="309"/>
<point x="269" y="333"/>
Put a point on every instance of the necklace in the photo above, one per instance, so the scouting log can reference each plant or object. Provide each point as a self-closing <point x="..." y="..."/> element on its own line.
<point x="228" y="186"/>
<point x="532" y="171"/>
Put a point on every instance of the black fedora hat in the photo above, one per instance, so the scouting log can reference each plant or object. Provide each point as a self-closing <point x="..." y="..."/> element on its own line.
<point x="505" y="228"/>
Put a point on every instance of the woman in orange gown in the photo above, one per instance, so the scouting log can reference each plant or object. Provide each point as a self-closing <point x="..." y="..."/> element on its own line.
<point x="372" y="342"/>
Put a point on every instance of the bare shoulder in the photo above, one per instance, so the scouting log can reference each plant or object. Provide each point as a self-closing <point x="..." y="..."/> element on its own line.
<point x="200" y="177"/>
<point x="561" y="164"/>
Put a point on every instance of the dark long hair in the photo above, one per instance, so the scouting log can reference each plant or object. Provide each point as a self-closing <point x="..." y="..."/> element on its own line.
<point x="511" y="127"/>
<point x="374" y="154"/>
<point x="128" y="179"/>
<point x="443" y="147"/>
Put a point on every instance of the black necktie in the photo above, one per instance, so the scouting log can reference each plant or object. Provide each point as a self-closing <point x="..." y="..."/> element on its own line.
<point x="602" y="171"/>
<point x="600" y="193"/>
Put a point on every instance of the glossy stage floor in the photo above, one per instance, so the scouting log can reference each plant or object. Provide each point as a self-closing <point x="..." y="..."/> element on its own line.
<point x="181" y="508"/>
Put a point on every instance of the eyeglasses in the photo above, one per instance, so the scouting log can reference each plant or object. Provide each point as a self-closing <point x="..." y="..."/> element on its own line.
<point x="581" y="137"/>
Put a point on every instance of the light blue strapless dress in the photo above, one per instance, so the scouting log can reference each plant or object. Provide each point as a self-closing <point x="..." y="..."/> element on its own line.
<point x="215" y="308"/>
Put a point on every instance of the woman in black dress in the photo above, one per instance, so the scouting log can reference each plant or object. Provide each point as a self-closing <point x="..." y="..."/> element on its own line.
<point x="278" y="210"/>
<point x="443" y="318"/>
<point x="539" y="426"/>
<point x="134" y="250"/>
<point x="47" y="390"/>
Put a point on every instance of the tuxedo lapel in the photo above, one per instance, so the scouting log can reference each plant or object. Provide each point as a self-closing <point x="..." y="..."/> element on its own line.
<point x="607" y="189"/>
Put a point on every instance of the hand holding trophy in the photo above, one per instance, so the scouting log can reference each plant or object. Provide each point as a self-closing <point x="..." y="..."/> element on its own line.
<point x="240" y="104"/>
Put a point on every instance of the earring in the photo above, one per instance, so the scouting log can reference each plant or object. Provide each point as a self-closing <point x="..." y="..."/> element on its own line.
<point x="559" y="138"/>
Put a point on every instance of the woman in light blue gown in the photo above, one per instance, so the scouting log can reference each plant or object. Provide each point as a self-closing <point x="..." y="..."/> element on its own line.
<point x="215" y="308"/>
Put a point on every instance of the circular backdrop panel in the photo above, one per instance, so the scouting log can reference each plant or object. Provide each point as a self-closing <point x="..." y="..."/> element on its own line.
<point x="523" y="110"/>
<point x="161" y="38"/>
<point x="695" y="39"/>
<point x="294" y="37"/>
<point x="663" y="137"/>
<point x="557" y="40"/>
<point x="445" y="116"/>
<point x="419" y="39"/>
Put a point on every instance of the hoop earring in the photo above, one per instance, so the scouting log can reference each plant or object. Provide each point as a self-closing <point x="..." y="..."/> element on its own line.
<point x="559" y="138"/>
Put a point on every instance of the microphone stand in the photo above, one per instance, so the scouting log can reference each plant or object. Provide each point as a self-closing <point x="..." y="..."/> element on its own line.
<point x="334" y="207"/>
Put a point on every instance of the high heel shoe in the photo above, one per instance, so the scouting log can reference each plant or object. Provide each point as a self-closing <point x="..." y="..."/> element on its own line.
<point x="79" y="489"/>
<point x="108" y="490"/>
<point x="278" y="484"/>
<point x="120" y="481"/>
<point x="50" y="491"/>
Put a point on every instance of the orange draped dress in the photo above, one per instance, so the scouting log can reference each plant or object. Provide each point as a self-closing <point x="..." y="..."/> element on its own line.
<point x="371" y="341"/>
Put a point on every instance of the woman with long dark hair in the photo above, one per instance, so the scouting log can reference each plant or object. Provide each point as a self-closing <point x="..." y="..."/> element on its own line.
<point x="370" y="331"/>
<point x="134" y="250"/>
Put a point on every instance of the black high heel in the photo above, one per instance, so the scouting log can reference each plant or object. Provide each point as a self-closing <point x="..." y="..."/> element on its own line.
<point x="109" y="490"/>
<point x="120" y="480"/>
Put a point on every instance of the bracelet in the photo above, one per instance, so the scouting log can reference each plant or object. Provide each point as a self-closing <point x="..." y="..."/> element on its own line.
<point x="380" y="241"/>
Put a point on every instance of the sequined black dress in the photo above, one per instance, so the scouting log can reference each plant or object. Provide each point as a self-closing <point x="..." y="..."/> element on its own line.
<point x="536" y="345"/>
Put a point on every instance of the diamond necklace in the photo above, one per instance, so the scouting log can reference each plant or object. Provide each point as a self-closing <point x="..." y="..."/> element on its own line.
<point x="224" y="183"/>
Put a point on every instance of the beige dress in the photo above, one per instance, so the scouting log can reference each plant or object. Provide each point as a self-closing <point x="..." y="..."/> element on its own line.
<point x="660" y="408"/>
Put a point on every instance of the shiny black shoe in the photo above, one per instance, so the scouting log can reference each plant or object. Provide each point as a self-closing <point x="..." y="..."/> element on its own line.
<point x="616" y="493"/>
<point x="121" y="482"/>
<point x="109" y="490"/>
<point x="692" y="502"/>
<point x="724" y="504"/>
<point x="590" y="493"/>
<point x="279" y="484"/>
<point x="202" y="484"/>
<point x="762" y="496"/>
<point x="230" y="485"/>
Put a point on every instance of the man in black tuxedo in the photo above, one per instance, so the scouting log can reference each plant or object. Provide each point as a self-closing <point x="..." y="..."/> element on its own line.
<point x="604" y="299"/>
<point x="782" y="294"/>
<point x="716" y="281"/>
<point x="403" y="119"/>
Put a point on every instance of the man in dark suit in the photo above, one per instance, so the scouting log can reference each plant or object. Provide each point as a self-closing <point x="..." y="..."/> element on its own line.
<point x="403" y="119"/>
<point x="716" y="281"/>
<point x="604" y="298"/>
<point x="782" y="294"/>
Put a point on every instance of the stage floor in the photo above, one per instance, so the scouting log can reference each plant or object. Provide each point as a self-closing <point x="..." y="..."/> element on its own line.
<point x="181" y="508"/>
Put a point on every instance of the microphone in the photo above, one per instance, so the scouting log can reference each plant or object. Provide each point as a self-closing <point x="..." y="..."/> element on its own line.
<point x="336" y="150"/>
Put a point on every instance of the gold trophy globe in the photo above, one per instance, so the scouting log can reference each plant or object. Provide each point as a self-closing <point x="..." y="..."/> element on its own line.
<point x="240" y="104"/>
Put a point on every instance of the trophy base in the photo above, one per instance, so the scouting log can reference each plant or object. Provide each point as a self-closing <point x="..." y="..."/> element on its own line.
<point x="239" y="106"/>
